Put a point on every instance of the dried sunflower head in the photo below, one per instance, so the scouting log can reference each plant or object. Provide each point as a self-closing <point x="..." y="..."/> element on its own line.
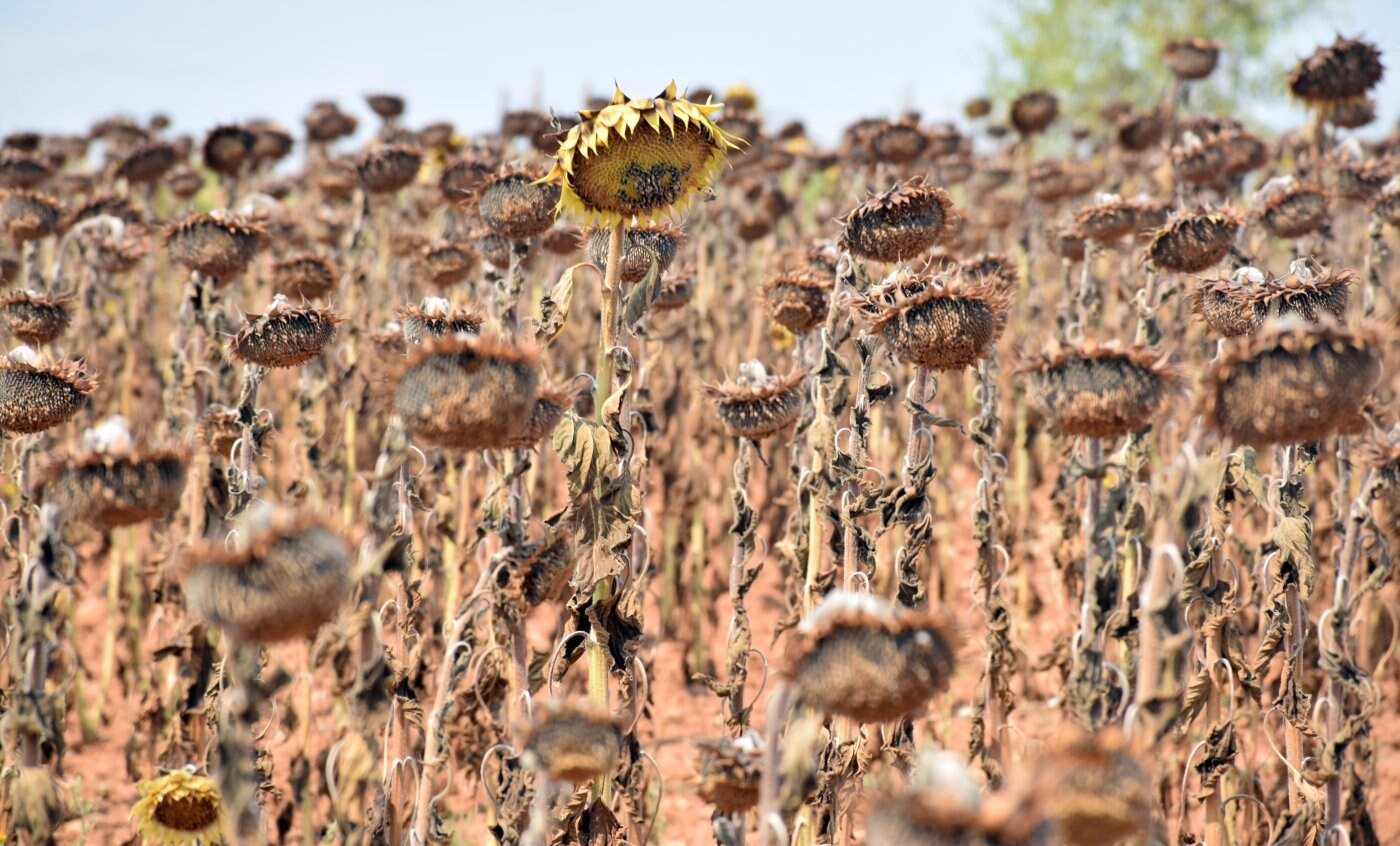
<point x="797" y="301"/>
<point x="271" y="143"/>
<point x="941" y="322"/>
<point x="1346" y="70"/>
<point x="1197" y="160"/>
<point x="1291" y="209"/>
<point x="729" y="773"/>
<point x="463" y="393"/>
<point x="304" y="276"/>
<point x="639" y="158"/>
<point x="899" y="224"/>
<point x="1192" y="58"/>
<point x="1352" y="114"/>
<point x="1034" y="111"/>
<point x="34" y="318"/>
<point x="326" y="122"/>
<point x="227" y="148"/>
<point x="386" y="105"/>
<point x="1240" y="303"/>
<point x="284" y="576"/>
<point x="184" y="181"/>
<point x="148" y="163"/>
<point x="575" y="743"/>
<point x="1094" y="790"/>
<point x="642" y="245"/>
<point x="115" y="481"/>
<point x="35" y="395"/>
<point x="26" y="216"/>
<point x="677" y="290"/>
<point x="1291" y="382"/>
<point x="516" y="204"/>
<point x="447" y="264"/>
<point x="285" y="336"/>
<point x="538" y="570"/>
<point x="179" y="808"/>
<point x="857" y="657"/>
<point x="435" y="318"/>
<point x="1097" y="391"/>
<point x="1362" y="180"/>
<point x="21" y="170"/>
<point x="1140" y="130"/>
<point x="1195" y="242"/>
<point x="897" y="142"/>
<point x="216" y="244"/>
<point x="756" y="405"/>
<point x="388" y="169"/>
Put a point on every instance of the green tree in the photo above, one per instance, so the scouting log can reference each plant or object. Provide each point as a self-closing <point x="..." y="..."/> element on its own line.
<point x="1089" y="52"/>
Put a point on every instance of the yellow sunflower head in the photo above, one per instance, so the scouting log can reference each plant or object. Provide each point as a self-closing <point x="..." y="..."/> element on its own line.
<point x="639" y="158"/>
<point x="179" y="808"/>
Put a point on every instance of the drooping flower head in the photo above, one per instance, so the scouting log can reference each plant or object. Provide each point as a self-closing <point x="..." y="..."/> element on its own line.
<point x="641" y="157"/>
<point x="179" y="807"/>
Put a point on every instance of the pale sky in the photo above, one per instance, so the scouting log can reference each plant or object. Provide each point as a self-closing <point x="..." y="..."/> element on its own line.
<point x="65" y="63"/>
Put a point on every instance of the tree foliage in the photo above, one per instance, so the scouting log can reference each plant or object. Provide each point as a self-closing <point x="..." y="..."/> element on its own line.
<point x="1089" y="52"/>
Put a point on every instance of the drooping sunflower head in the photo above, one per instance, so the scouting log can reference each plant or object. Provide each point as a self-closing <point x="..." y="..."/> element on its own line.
<point x="179" y="807"/>
<point x="639" y="158"/>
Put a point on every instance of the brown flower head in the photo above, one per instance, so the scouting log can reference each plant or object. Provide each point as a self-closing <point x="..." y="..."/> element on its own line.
<point x="756" y="405"/>
<point x="1197" y="160"/>
<point x="114" y="481"/>
<point x="516" y="205"/>
<point x="148" y="163"/>
<point x="797" y="301"/>
<point x="304" y="276"/>
<point x="286" y="575"/>
<point x="35" y="396"/>
<point x="538" y="570"/>
<point x="575" y="743"/>
<point x="1244" y="151"/>
<point x="1192" y="58"/>
<point x="1240" y="303"/>
<point x="899" y="224"/>
<point x="677" y="290"/>
<point x="108" y="205"/>
<point x="1195" y="242"/>
<point x="1141" y="130"/>
<point x="1066" y="242"/>
<point x="1292" y="209"/>
<point x="1344" y="71"/>
<point x="285" y="336"/>
<point x="326" y="122"/>
<point x="184" y="181"/>
<point x="386" y="105"/>
<point x="1292" y="382"/>
<point x="227" y="149"/>
<point x="1352" y="114"/>
<point x="462" y="393"/>
<point x="1034" y="111"/>
<point x="1094" y="790"/>
<point x="35" y="318"/>
<point x="857" y="657"/>
<point x="435" y="318"/>
<point x="729" y="773"/>
<point x="898" y="142"/>
<point x="25" y="216"/>
<point x="1363" y="181"/>
<point x="461" y="180"/>
<point x="387" y="169"/>
<point x="24" y="171"/>
<point x="447" y="264"/>
<point x="1097" y="391"/>
<point x="941" y="322"/>
<point x="216" y="244"/>
<point x="641" y="246"/>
